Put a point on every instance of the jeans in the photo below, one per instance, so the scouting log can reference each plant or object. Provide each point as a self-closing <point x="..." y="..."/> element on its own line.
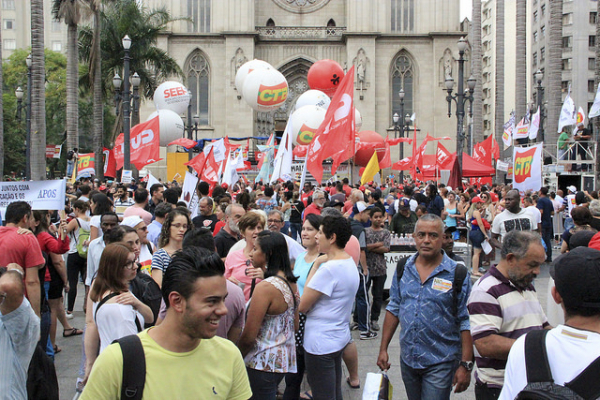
<point x="362" y="309"/>
<point x="293" y="381"/>
<point x="377" y="292"/>
<point x="547" y="234"/>
<point x="325" y="375"/>
<point x="568" y="223"/>
<point x="45" y="322"/>
<point x="296" y="230"/>
<point x="264" y="384"/>
<point x="483" y="392"/>
<point x="431" y="383"/>
<point x="76" y="266"/>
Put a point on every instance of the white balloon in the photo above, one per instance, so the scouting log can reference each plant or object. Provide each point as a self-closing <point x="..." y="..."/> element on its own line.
<point x="357" y="120"/>
<point x="172" y="96"/>
<point x="245" y="69"/>
<point x="171" y="126"/>
<point x="265" y="89"/>
<point x="305" y="123"/>
<point x="313" y="97"/>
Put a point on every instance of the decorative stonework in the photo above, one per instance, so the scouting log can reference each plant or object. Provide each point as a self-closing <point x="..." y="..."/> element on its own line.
<point x="298" y="32"/>
<point x="237" y="61"/>
<point x="301" y="6"/>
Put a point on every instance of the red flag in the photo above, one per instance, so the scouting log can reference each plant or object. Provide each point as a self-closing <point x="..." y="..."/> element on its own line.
<point x="335" y="136"/>
<point x="300" y="151"/>
<point x="144" y="147"/>
<point x="110" y="164"/>
<point x="367" y="146"/>
<point x="197" y="163"/>
<point x="386" y="161"/>
<point x="394" y="142"/>
<point x="403" y="165"/>
<point x="184" y="142"/>
<point x="443" y="157"/>
<point x="211" y="168"/>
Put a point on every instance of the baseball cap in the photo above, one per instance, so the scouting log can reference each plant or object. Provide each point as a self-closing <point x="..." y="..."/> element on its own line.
<point x="572" y="189"/>
<point x="336" y="202"/>
<point x="476" y="199"/>
<point x="132" y="221"/>
<point x="359" y="207"/>
<point x="404" y="204"/>
<point x="577" y="277"/>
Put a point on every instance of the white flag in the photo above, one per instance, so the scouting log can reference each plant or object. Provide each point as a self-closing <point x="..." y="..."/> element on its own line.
<point x="151" y="180"/>
<point x="230" y="175"/>
<point x="509" y="127"/>
<point x="580" y="116"/>
<point x="535" y="125"/>
<point x="413" y="117"/>
<point x="283" y="159"/>
<point x="567" y="113"/>
<point x="522" y="130"/>
<point x="595" y="110"/>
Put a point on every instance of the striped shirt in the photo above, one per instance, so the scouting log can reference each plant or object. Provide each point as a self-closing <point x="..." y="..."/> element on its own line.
<point x="161" y="260"/>
<point x="498" y="307"/>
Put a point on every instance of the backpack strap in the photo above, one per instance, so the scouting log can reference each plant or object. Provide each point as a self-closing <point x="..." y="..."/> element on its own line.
<point x="400" y="269"/>
<point x="536" y="356"/>
<point x="460" y="274"/>
<point x="586" y="384"/>
<point x="104" y="300"/>
<point x="134" y="367"/>
<point x="149" y="247"/>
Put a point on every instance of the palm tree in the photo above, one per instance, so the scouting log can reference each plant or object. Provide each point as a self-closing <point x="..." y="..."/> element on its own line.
<point x="521" y="59"/>
<point x="499" y="86"/>
<point x="70" y="12"/>
<point x="597" y="74"/>
<point x="153" y="65"/>
<point x="38" y="94"/>
<point x="95" y="70"/>
<point x="476" y="67"/>
<point x="553" y="73"/>
<point x="1" y="118"/>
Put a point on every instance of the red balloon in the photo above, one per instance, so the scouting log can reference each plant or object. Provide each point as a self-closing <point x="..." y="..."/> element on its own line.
<point x="363" y="156"/>
<point x="325" y="75"/>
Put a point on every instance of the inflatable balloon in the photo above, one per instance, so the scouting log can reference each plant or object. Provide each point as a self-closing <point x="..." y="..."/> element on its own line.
<point x="172" y="96"/>
<point x="265" y="89"/>
<point x="171" y="126"/>
<point x="325" y="75"/>
<point x="357" y="120"/>
<point x="305" y="123"/>
<point x="313" y="98"/>
<point x="245" y="69"/>
<point x="363" y="156"/>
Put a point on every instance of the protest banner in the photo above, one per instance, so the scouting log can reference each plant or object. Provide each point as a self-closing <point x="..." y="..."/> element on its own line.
<point x="527" y="168"/>
<point x="41" y="195"/>
<point x="189" y="195"/>
<point x="86" y="164"/>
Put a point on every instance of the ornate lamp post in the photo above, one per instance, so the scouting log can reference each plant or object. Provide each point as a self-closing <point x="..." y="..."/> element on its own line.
<point x="135" y="82"/>
<point x="539" y="75"/>
<point x="460" y="98"/>
<point x="124" y="96"/>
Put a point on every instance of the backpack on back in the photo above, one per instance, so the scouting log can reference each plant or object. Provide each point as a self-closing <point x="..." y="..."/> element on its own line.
<point x="540" y="384"/>
<point x="82" y="236"/>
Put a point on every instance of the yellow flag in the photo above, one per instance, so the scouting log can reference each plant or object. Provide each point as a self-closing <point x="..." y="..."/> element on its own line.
<point x="370" y="170"/>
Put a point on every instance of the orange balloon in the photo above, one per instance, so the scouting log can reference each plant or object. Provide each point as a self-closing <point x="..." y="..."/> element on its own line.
<point x="363" y="156"/>
<point x="325" y="75"/>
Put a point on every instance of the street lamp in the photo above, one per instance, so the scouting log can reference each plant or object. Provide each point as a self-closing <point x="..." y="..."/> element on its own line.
<point x="19" y="95"/>
<point x="135" y="82"/>
<point x="460" y="98"/>
<point x="126" y="105"/>
<point x="539" y="75"/>
<point x="28" y="131"/>
<point x="397" y="119"/>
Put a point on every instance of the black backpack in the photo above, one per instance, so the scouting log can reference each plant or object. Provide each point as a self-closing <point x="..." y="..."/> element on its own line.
<point x="134" y="367"/>
<point x="540" y="384"/>
<point x="147" y="290"/>
<point x="460" y="274"/>
<point x="70" y="155"/>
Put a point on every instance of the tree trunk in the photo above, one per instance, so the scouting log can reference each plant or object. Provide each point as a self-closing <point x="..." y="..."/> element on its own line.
<point x="1" y="118"/>
<point x="521" y="59"/>
<point x="38" y="93"/>
<point x="597" y="74"/>
<point x="476" y="67"/>
<point x="552" y="75"/>
<point x="72" y="88"/>
<point x="499" y="87"/>
<point x="97" y="100"/>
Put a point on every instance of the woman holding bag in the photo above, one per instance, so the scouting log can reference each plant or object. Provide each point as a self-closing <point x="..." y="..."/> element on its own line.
<point x="478" y="234"/>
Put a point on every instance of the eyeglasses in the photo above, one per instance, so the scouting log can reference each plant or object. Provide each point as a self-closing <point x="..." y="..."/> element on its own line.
<point x="130" y="265"/>
<point x="179" y="226"/>
<point x="144" y="228"/>
<point x="274" y="221"/>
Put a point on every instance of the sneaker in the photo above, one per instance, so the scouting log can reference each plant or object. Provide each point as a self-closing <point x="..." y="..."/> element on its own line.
<point x="368" y="335"/>
<point x="374" y="325"/>
<point x="69" y="315"/>
<point x="354" y="326"/>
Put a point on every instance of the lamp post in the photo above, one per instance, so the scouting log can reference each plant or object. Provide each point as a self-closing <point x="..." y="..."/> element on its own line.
<point x="28" y="132"/>
<point x="126" y="105"/>
<point x="401" y="130"/>
<point x="460" y="98"/>
<point x="539" y="75"/>
<point x="192" y="130"/>
<point x="135" y="82"/>
<point x="397" y="133"/>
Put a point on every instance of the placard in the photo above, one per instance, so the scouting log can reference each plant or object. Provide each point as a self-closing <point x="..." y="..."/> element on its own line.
<point x="126" y="176"/>
<point x="41" y="195"/>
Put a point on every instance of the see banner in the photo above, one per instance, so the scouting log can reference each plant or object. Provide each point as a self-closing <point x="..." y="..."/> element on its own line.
<point x="527" y="168"/>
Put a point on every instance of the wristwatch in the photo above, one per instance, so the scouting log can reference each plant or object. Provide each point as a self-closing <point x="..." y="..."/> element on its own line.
<point x="467" y="364"/>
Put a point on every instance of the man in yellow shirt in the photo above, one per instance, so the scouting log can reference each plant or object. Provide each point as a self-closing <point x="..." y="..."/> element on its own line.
<point x="184" y="359"/>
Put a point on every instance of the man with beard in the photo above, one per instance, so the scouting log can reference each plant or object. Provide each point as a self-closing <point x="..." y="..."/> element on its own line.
<point x="513" y="218"/>
<point x="228" y="235"/>
<point x="180" y="360"/>
<point x="503" y="306"/>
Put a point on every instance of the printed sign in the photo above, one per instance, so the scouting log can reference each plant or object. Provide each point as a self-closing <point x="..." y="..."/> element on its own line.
<point x="41" y="195"/>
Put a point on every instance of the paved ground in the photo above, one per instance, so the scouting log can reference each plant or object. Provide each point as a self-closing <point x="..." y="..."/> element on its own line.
<point x="67" y="361"/>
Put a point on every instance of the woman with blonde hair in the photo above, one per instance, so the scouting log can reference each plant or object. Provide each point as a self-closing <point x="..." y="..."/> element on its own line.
<point x="478" y="234"/>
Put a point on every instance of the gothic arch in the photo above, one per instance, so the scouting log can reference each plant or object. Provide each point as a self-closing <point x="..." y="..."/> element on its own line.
<point x="197" y="76"/>
<point x="403" y="75"/>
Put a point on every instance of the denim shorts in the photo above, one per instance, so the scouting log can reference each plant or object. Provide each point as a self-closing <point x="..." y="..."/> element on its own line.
<point x="476" y="237"/>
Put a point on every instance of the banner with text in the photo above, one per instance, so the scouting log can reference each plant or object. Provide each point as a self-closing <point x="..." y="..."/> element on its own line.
<point x="41" y="195"/>
<point x="527" y="168"/>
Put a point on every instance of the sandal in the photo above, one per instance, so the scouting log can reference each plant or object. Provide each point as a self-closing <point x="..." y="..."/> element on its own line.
<point x="351" y="385"/>
<point x="476" y="273"/>
<point x="57" y="349"/>
<point x="306" y="395"/>
<point x="72" y="332"/>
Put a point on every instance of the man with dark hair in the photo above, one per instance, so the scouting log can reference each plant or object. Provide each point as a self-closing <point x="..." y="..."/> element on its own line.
<point x="180" y="360"/>
<point x="513" y="218"/>
<point x="140" y="197"/>
<point x="156" y="197"/>
<point x="503" y="306"/>
<point x="108" y="221"/>
<point x="199" y="237"/>
<point x="155" y="227"/>
<point x="85" y="192"/>
<point x="544" y="204"/>
<point x="228" y="235"/>
<point x="206" y="218"/>
<point x="17" y="245"/>
<point x="171" y="196"/>
<point x="19" y="333"/>
<point x="122" y="198"/>
<point x="203" y="189"/>
<point x="571" y="347"/>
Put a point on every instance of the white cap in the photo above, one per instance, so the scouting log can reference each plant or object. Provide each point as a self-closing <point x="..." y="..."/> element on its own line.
<point x="572" y="189"/>
<point x="132" y="221"/>
<point x="361" y="206"/>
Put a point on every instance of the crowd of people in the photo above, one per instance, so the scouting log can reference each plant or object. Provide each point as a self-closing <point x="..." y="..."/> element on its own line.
<point x="261" y="286"/>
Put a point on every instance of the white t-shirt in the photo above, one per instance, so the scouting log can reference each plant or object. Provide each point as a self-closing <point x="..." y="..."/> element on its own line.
<point x="327" y="328"/>
<point x="507" y="221"/>
<point x="115" y="321"/>
<point x="570" y="351"/>
<point x="95" y="222"/>
<point x="535" y="213"/>
<point x="571" y="204"/>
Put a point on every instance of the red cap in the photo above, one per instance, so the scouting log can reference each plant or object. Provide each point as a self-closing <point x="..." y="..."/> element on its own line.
<point x="476" y="199"/>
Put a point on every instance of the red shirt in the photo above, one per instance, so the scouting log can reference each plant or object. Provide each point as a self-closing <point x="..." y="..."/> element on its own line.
<point x="347" y="190"/>
<point x="312" y="209"/>
<point x="50" y="244"/>
<point x="21" y="249"/>
<point x="218" y="227"/>
<point x="304" y="197"/>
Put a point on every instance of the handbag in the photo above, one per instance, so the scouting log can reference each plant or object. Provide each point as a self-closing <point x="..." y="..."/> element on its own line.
<point x="377" y="387"/>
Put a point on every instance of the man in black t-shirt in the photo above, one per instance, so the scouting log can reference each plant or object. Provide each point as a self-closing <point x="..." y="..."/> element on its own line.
<point x="544" y="204"/>
<point x="206" y="218"/>
<point x="228" y="235"/>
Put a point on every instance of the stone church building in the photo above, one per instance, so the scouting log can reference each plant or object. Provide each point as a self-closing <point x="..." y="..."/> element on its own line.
<point x="408" y="44"/>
